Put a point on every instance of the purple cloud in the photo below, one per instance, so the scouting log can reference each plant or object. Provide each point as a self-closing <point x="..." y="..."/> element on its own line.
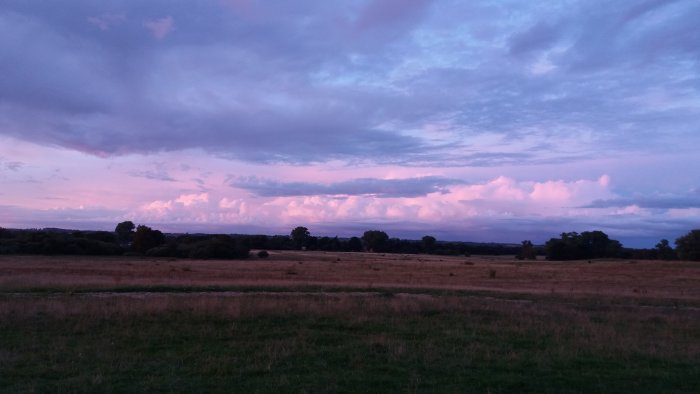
<point x="313" y="82"/>
<point x="534" y="92"/>
<point x="382" y="188"/>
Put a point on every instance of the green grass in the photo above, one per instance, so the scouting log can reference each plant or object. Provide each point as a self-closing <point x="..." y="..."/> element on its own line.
<point x="314" y="343"/>
<point x="595" y="302"/>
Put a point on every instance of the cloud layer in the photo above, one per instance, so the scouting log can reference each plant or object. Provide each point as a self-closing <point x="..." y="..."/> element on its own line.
<point x="395" y="111"/>
<point x="409" y="82"/>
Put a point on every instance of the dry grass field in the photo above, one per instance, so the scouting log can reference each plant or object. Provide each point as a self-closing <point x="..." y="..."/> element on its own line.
<point x="610" y="278"/>
<point x="348" y="322"/>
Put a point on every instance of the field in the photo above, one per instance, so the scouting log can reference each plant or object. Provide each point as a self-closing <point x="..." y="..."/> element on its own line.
<point x="348" y="322"/>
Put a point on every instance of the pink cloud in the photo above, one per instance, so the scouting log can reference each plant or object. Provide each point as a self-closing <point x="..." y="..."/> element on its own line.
<point x="551" y="191"/>
<point x="191" y="199"/>
<point x="160" y="28"/>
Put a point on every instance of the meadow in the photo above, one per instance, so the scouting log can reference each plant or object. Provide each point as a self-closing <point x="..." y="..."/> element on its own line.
<point x="348" y="322"/>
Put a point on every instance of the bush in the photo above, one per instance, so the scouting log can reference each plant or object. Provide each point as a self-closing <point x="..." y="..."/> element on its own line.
<point x="263" y="254"/>
<point x="218" y="247"/>
<point x="688" y="246"/>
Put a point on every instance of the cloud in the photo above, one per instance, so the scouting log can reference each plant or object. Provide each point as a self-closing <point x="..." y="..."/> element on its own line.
<point x="675" y="202"/>
<point x="155" y="175"/>
<point x="160" y="28"/>
<point x="310" y="82"/>
<point x="192" y="199"/>
<point x="106" y="21"/>
<point x="351" y="104"/>
<point x="382" y="188"/>
<point x="539" y="37"/>
<point x="11" y="165"/>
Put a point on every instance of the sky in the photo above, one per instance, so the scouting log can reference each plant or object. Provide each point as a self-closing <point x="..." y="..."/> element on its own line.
<point x="487" y="121"/>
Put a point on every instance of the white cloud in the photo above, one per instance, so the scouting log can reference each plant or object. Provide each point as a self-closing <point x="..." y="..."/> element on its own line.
<point x="192" y="199"/>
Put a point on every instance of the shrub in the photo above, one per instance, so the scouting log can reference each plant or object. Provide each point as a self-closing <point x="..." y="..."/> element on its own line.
<point x="688" y="246"/>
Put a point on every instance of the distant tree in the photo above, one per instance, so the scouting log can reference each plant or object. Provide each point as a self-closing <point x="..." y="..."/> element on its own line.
<point x="355" y="244"/>
<point x="300" y="236"/>
<point x="664" y="251"/>
<point x="587" y="245"/>
<point x="688" y="246"/>
<point x="125" y="231"/>
<point x="218" y="247"/>
<point x="375" y="240"/>
<point x="328" y="244"/>
<point x="527" y="251"/>
<point x="428" y="244"/>
<point x="146" y="238"/>
<point x="257" y="241"/>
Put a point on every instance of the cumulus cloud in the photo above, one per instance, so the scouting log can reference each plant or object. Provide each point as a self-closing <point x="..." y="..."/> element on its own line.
<point x="191" y="199"/>
<point x="453" y="203"/>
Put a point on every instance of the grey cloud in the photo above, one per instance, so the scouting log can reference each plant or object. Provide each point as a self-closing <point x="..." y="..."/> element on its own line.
<point x="304" y="82"/>
<point x="159" y="172"/>
<point x="153" y="175"/>
<point x="683" y="202"/>
<point x="539" y="37"/>
<point x="408" y="187"/>
<point x="11" y="165"/>
<point x="88" y="219"/>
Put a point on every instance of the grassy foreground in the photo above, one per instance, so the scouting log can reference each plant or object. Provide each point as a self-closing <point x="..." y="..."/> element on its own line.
<point x="342" y="342"/>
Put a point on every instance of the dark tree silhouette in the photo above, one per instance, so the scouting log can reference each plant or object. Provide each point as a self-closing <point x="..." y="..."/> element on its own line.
<point x="375" y="240"/>
<point x="688" y="246"/>
<point x="587" y="245"/>
<point x="300" y="236"/>
<point x="355" y="244"/>
<point x="527" y="251"/>
<point x="146" y="238"/>
<point x="664" y="251"/>
<point x="125" y="231"/>
<point x="428" y="244"/>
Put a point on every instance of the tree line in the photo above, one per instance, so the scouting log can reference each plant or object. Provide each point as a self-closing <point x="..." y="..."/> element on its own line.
<point x="129" y="239"/>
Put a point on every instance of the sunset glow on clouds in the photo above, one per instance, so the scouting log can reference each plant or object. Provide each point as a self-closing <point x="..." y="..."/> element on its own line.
<point x="474" y="121"/>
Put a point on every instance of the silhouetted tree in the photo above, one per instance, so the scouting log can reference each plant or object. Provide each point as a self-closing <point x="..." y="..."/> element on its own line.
<point x="527" y="251"/>
<point x="218" y="247"/>
<point x="355" y="244"/>
<point x="688" y="246"/>
<point x="375" y="240"/>
<point x="125" y="231"/>
<point x="664" y="251"/>
<point x="428" y="244"/>
<point x="587" y="245"/>
<point x="300" y="236"/>
<point x="146" y="238"/>
<point x="328" y="244"/>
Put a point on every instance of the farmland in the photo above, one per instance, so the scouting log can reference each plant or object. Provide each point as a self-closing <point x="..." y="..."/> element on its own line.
<point x="346" y="322"/>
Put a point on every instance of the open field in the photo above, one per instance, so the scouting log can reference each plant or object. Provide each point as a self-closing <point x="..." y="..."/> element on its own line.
<point x="641" y="279"/>
<point x="348" y="322"/>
